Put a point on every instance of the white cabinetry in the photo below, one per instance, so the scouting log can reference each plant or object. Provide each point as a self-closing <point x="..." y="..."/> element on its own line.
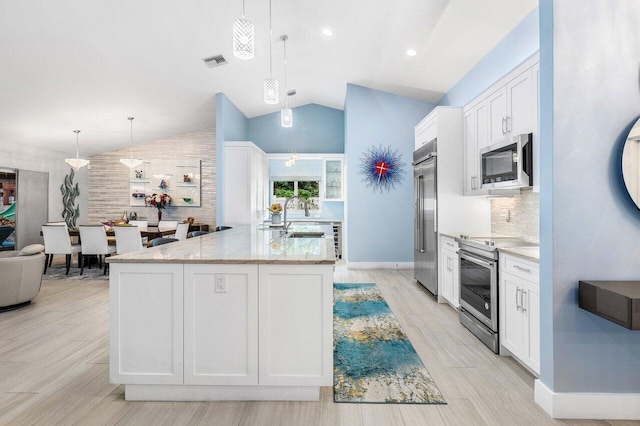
<point x="246" y="183"/>
<point x="449" y="271"/>
<point x="426" y="130"/>
<point x="296" y="333"/>
<point x="332" y="177"/>
<point x="520" y="310"/>
<point x="221" y="324"/>
<point x="146" y="329"/>
<point x="221" y="331"/>
<point x="506" y="109"/>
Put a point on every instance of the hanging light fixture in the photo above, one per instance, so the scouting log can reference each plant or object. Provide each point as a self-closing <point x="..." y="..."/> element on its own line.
<point x="286" y="115"/>
<point x="131" y="162"/>
<point x="243" y="40"/>
<point x="271" y="95"/>
<point x="77" y="163"/>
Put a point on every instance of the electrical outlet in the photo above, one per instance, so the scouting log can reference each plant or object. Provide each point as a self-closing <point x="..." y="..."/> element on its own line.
<point x="221" y="283"/>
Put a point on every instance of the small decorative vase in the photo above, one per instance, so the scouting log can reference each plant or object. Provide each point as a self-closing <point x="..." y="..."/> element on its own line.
<point x="159" y="215"/>
<point x="276" y="218"/>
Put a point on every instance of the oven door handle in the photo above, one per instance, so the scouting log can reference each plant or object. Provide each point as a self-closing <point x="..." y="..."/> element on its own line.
<point x="474" y="259"/>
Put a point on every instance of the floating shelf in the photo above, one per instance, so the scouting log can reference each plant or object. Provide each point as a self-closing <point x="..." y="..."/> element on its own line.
<point x="616" y="301"/>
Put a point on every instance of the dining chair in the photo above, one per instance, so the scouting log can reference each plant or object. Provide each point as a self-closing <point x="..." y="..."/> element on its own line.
<point x="57" y="241"/>
<point x="167" y="225"/>
<point x="128" y="239"/>
<point x="93" y="239"/>
<point x="197" y="233"/>
<point x="143" y="225"/>
<point x="181" y="231"/>
<point x="161" y="241"/>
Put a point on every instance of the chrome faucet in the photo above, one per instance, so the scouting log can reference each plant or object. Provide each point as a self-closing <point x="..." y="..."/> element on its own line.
<point x="285" y="229"/>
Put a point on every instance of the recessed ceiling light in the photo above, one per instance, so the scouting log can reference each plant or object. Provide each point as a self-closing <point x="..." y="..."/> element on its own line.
<point x="327" y="32"/>
<point x="411" y="52"/>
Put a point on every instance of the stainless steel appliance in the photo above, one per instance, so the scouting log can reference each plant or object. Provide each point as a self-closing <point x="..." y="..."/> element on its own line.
<point x="479" y="285"/>
<point x="426" y="214"/>
<point x="508" y="164"/>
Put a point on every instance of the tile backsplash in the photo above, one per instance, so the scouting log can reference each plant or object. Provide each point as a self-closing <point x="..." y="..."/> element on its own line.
<point x="517" y="216"/>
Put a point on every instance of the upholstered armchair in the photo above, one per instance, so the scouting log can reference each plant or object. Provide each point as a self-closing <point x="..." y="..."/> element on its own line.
<point x="20" y="276"/>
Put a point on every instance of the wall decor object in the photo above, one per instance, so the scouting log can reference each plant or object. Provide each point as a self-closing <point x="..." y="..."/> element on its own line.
<point x="178" y="178"/>
<point x="631" y="163"/>
<point x="71" y="212"/>
<point x="381" y="168"/>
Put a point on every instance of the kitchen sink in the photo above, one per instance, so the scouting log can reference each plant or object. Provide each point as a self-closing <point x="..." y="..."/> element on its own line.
<point x="301" y="234"/>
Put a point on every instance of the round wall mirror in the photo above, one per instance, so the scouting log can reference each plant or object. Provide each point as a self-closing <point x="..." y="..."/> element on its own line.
<point x="631" y="163"/>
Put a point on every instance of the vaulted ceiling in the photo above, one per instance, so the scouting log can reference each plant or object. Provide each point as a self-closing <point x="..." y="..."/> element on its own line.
<point x="78" y="64"/>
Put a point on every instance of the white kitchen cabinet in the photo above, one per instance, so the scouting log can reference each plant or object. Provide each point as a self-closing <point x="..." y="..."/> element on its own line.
<point x="506" y="109"/>
<point x="449" y="271"/>
<point x="476" y="137"/>
<point x="220" y="324"/>
<point x="246" y="183"/>
<point x="146" y="324"/>
<point x="497" y="105"/>
<point x="296" y="325"/>
<point x="520" y="310"/>
<point x="332" y="178"/>
<point x="426" y="131"/>
<point x="535" y="73"/>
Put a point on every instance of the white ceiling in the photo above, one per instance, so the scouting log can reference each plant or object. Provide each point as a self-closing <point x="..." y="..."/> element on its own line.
<point x="79" y="64"/>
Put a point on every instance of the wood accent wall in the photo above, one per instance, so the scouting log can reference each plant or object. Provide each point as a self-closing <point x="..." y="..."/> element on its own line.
<point x="109" y="179"/>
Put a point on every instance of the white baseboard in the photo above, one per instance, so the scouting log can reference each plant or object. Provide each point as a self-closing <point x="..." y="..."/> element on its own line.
<point x="220" y="393"/>
<point x="379" y="265"/>
<point x="600" y="406"/>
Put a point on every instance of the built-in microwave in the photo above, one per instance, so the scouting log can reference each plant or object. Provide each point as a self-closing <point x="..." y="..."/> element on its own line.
<point x="508" y="164"/>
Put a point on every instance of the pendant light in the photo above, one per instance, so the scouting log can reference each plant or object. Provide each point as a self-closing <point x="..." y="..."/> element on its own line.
<point x="243" y="40"/>
<point x="131" y="162"/>
<point x="271" y="95"/>
<point x="286" y="115"/>
<point x="77" y="163"/>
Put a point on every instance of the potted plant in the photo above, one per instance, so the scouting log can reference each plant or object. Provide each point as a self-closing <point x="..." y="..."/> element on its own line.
<point x="276" y="213"/>
<point x="159" y="201"/>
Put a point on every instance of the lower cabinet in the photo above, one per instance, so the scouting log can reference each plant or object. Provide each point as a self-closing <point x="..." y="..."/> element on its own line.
<point x="449" y="271"/>
<point x="221" y="324"/>
<point x="520" y="310"/>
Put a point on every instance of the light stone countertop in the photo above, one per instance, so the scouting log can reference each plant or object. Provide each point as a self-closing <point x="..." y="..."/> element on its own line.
<point x="242" y="244"/>
<point x="528" y="253"/>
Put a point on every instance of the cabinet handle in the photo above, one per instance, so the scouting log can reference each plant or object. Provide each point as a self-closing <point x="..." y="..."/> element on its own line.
<point x="522" y="269"/>
<point x="508" y="122"/>
<point x="504" y="122"/>
<point x="522" y="301"/>
<point x="518" y="290"/>
<point x="473" y="182"/>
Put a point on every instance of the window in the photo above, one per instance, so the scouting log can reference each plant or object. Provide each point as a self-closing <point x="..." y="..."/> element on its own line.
<point x="307" y="189"/>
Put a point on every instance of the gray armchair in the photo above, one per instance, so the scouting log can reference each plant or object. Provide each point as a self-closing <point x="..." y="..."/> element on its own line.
<point x="20" y="276"/>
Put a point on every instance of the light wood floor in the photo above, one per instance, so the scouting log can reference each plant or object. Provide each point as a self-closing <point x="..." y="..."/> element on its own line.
<point x="54" y="370"/>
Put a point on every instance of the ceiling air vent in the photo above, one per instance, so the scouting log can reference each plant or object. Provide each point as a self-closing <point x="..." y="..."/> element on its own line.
<point x="215" y="61"/>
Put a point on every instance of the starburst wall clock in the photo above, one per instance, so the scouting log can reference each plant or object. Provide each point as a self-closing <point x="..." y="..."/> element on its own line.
<point x="381" y="168"/>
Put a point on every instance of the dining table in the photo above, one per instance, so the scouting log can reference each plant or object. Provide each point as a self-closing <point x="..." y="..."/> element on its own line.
<point x="151" y="233"/>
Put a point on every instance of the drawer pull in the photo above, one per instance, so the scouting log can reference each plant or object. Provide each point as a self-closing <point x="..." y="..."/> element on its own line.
<point x="522" y="269"/>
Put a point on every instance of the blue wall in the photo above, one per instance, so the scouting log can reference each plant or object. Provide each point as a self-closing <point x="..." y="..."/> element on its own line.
<point x="231" y="125"/>
<point x="518" y="45"/>
<point x="380" y="225"/>
<point x="316" y="129"/>
<point x="590" y="223"/>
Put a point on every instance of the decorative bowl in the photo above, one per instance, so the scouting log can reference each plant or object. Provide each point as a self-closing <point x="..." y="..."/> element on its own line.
<point x="187" y="200"/>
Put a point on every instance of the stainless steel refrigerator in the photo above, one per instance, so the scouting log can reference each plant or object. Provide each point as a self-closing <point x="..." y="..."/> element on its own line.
<point x="425" y="216"/>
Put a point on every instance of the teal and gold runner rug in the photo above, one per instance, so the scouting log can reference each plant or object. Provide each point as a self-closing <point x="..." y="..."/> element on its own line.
<point x="374" y="361"/>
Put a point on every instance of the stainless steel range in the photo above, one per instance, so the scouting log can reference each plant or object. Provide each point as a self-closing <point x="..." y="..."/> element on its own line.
<point x="479" y="285"/>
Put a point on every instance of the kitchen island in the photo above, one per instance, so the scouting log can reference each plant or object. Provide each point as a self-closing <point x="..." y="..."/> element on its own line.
<point x="242" y="314"/>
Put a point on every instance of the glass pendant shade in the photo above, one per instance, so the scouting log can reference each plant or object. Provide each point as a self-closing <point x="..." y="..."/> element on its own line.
<point x="77" y="163"/>
<point x="131" y="162"/>
<point x="286" y="117"/>
<point x="271" y="95"/>
<point x="243" y="40"/>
